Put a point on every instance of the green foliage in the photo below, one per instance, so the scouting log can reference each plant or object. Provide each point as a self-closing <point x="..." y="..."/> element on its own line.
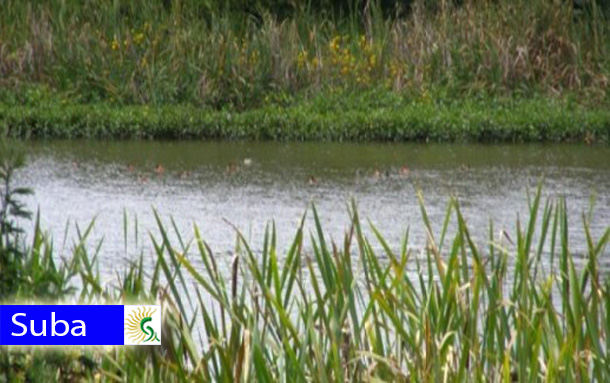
<point x="443" y="70"/>
<point x="379" y="115"/>
<point x="26" y="270"/>
<point x="217" y="54"/>
<point x="513" y="308"/>
<point x="11" y="210"/>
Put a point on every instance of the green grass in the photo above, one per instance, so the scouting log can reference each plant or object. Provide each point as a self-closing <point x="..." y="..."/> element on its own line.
<point x="457" y="71"/>
<point x="146" y="52"/>
<point x="368" y="116"/>
<point x="502" y="310"/>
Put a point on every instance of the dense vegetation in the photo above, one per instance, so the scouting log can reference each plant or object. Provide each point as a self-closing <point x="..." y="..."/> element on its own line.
<point x="203" y="57"/>
<point x="381" y="116"/>
<point x="516" y="308"/>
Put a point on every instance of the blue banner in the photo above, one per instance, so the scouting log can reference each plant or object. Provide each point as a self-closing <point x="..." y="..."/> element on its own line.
<point x="79" y="325"/>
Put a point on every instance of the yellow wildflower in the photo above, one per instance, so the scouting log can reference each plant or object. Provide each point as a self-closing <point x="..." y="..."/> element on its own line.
<point x="372" y="60"/>
<point x="254" y="57"/>
<point x="301" y="59"/>
<point x="334" y="43"/>
<point x="138" y="38"/>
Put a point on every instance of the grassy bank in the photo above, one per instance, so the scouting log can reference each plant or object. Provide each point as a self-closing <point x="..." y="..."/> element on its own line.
<point x="147" y="52"/>
<point x="516" y="308"/>
<point x="110" y="59"/>
<point x="380" y="116"/>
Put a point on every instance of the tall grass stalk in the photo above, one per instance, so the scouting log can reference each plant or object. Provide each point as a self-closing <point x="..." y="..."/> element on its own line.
<point x="514" y="309"/>
<point x="150" y="53"/>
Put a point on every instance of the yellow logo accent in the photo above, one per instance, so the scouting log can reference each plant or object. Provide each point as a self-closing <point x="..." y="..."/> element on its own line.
<point x="138" y="326"/>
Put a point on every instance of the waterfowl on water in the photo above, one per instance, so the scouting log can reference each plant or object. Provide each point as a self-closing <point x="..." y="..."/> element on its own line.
<point x="378" y="174"/>
<point x="232" y="168"/>
<point x="247" y="161"/>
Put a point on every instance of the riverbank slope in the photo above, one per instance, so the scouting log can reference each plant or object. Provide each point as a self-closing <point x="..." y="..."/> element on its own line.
<point x="456" y="71"/>
<point x="373" y="116"/>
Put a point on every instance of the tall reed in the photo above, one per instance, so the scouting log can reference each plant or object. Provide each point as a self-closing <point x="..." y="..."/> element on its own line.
<point x="146" y="53"/>
<point x="515" y="308"/>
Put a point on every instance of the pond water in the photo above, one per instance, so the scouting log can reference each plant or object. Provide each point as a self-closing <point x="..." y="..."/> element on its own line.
<point x="250" y="184"/>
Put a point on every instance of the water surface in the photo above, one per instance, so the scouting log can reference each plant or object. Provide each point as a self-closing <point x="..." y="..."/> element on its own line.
<point x="248" y="184"/>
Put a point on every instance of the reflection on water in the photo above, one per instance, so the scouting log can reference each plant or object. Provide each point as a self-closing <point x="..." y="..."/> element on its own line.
<point x="250" y="184"/>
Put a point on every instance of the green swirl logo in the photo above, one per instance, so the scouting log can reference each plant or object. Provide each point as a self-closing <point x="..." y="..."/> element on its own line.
<point x="139" y="328"/>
